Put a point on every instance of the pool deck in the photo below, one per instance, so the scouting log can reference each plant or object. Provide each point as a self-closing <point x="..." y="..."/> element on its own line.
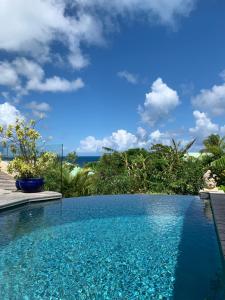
<point x="11" y="198"/>
<point x="218" y="207"/>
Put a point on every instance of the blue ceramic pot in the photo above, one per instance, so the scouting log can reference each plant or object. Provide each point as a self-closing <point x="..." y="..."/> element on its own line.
<point x="31" y="185"/>
<point x="18" y="184"/>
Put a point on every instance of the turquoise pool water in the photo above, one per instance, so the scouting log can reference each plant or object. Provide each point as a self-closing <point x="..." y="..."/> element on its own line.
<point x="110" y="247"/>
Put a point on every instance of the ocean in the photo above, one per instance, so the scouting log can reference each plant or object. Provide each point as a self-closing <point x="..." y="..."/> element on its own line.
<point x="82" y="160"/>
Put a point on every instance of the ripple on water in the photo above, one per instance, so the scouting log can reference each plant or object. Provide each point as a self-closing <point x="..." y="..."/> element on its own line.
<point x="131" y="257"/>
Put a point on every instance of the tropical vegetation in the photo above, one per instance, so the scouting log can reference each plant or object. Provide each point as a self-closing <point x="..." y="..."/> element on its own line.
<point x="160" y="169"/>
<point x="24" y="141"/>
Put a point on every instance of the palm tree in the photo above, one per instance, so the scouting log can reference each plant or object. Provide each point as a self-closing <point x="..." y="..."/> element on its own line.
<point x="214" y="145"/>
<point x="180" y="151"/>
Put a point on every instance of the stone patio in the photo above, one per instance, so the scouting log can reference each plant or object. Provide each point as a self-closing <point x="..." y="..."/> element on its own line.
<point x="9" y="198"/>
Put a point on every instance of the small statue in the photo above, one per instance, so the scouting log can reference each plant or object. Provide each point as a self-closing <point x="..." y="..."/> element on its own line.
<point x="209" y="180"/>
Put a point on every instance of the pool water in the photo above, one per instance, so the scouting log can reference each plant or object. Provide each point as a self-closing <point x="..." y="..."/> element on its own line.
<point x="111" y="247"/>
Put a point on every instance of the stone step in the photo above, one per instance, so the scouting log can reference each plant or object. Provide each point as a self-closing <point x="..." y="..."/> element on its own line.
<point x="5" y="176"/>
<point x="2" y="182"/>
<point x="8" y="187"/>
<point x="11" y="188"/>
<point x="6" y="180"/>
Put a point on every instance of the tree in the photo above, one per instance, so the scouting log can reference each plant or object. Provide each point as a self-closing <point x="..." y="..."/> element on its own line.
<point x="214" y="145"/>
<point x="71" y="157"/>
<point x="23" y="138"/>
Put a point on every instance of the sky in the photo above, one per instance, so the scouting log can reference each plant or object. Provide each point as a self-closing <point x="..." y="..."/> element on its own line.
<point x="119" y="73"/>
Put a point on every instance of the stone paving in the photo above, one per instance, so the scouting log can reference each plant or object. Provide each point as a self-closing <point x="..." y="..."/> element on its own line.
<point x="9" y="199"/>
<point x="218" y="207"/>
<point x="9" y="196"/>
<point x="7" y="182"/>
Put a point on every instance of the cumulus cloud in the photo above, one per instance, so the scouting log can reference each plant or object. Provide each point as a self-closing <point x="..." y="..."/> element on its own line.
<point x="55" y="84"/>
<point x="164" y="11"/>
<point x="203" y="125"/>
<point x="122" y="140"/>
<point x="131" y="78"/>
<point x="160" y="137"/>
<point x="156" y="135"/>
<point x="33" y="26"/>
<point x="41" y="106"/>
<point x="28" y="68"/>
<point x="211" y="100"/>
<point x="119" y="140"/>
<point x="25" y="75"/>
<point x="159" y="102"/>
<point x="39" y="109"/>
<point x="141" y="133"/>
<point x="8" y="76"/>
<point x="9" y="114"/>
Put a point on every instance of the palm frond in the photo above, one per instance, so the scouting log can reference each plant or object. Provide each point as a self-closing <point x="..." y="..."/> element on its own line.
<point x="188" y="146"/>
<point x="219" y="163"/>
<point x="107" y="149"/>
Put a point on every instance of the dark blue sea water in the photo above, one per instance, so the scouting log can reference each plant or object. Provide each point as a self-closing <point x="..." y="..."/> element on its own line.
<point x="82" y="160"/>
<point x="111" y="247"/>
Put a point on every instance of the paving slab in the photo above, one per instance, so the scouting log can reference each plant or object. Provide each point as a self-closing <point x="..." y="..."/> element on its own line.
<point x="10" y="199"/>
<point x="218" y="208"/>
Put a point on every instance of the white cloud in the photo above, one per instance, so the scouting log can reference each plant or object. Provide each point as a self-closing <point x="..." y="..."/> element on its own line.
<point x="203" y="125"/>
<point x="164" y="11"/>
<point x="211" y="100"/>
<point x="41" y="106"/>
<point x="77" y="60"/>
<point x="8" y="76"/>
<point x="28" y="68"/>
<point x="122" y="140"/>
<point x="55" y="84"/>
<point x="39" y="109"/>
<point x="160" y="137"/>
<point x="33" y="26"/>
<point x="25" y="75"/>
<point x="119" y="140"/>
<point x="141" y="133"/>
<point x="131" y="78"/>
<point x="13" y="72"/>
<point x="159" y="102"/>
<point x="90" y="145"/>
<point x="156" y="135"/>
<point x="9" y="114"/>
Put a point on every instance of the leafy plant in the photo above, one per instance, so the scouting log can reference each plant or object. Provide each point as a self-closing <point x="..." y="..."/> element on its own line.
<point x="22" y="138"/>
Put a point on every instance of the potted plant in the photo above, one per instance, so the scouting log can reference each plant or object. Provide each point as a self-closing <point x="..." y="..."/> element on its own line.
<point x="23" y="139"/>
<point x="28" y="175"/>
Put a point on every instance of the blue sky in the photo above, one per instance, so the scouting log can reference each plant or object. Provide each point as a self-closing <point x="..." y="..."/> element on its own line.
<point x="121" y="74"/>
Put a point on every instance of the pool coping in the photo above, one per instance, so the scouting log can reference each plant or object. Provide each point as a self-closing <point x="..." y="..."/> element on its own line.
<point x="218" y="209"/>
<point x="12" y="199"/>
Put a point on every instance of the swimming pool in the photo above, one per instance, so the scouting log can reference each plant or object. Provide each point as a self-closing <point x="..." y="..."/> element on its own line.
<point x="110" y="247"/>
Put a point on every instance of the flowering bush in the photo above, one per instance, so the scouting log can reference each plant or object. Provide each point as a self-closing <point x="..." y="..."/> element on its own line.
<point x="21" y="169"/>
<point x="23" y="139"/>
